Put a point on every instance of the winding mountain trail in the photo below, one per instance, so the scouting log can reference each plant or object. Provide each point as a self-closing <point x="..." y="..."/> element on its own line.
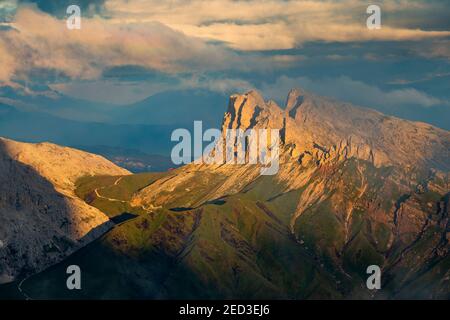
<point x="22" y="292"/>
<point x="97" y="193"/>
<point x="117" y="181"/>
<point x="107" y="198"/>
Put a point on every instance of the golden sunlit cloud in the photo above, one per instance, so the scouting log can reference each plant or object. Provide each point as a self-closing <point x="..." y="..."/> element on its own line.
<point x="40" y="41"/>
<point x="182" y="36"/>
<point x="268" y="24"/>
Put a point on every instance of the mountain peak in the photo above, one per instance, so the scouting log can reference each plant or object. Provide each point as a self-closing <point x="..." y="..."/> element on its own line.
<point x="248" y="110"/>
<point x="255" y="94"/>
<point x="313" y="123"/>
<point x="294" y="93"/>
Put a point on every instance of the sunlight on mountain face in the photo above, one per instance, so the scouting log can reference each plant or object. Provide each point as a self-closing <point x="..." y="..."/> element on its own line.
<point x="181" y="107"/>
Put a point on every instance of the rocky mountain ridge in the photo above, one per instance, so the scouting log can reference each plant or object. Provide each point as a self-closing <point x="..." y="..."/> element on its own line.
<point x="316" y="130"/>
<point x="379" y="186"/>
<point x="41" y="219"/>
<point x="327" y="128"/>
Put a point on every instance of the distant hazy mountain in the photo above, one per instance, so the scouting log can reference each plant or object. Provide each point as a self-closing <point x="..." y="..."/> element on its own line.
<point x="41" y="219"/>
<point x="145" y="126"/>
<point x="57" y="105"/>
<point x="41" y="126"/>
<point x="174" y="108"/>
<point x="180" y="108"/>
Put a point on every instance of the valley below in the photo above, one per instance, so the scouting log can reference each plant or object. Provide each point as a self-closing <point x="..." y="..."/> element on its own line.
<point x="239" y="246"/>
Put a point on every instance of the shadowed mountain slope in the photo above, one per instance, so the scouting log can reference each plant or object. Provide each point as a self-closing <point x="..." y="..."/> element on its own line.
<point x="42" y="221"/>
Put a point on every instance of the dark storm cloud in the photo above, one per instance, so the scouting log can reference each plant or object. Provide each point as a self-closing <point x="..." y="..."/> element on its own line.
<point x="58" y="8"/>
<point x="425" y="15"/>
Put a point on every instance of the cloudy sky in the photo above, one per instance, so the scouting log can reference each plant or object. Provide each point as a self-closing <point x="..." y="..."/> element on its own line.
<point x="127" y="50"/>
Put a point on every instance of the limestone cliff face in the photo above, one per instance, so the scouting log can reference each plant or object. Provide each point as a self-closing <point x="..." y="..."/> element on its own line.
<point x="339" y="129"/>
<point x="251" y="111"/>
<point x="324" y="128"/>
<point x="41" y="219"/>
<point x="316" y="131"/>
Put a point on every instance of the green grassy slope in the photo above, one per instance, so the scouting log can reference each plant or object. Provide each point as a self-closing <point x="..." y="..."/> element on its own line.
<point x="242" y="246"/>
